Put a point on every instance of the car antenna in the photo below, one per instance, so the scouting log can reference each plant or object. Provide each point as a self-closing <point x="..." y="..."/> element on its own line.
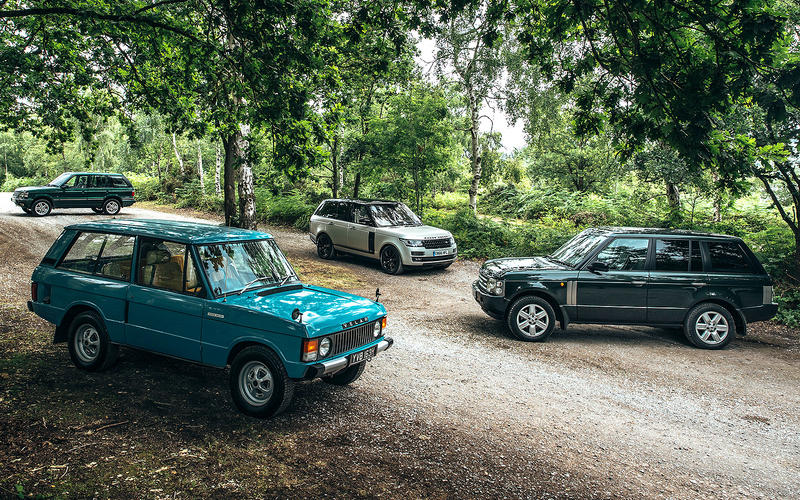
<point x="377" y="295"/>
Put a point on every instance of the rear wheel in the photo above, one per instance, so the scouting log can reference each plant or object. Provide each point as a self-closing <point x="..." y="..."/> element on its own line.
<point x="111" y="206"/>
<point x="89" y="345"/>
<point x="41" y="207"/>
<point x="709" y="326"/>
<point x="391" y="263"/>
<point x="531" y="319"/>
<point x="259" y="384"/>
<point x="325" y="247"/>
<point x="346" y="376"/>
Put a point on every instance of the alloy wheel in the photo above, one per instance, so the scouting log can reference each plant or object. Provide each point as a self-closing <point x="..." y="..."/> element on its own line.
<point x="41" y="208"/>
<point x="712" y="328"/>
<point x="87" y="343"/>
<point x="256" y="383"/>
<point x="533" y="320"/>
<point x="390" y="259"/>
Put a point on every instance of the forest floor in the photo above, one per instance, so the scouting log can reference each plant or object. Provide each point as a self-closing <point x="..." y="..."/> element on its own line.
<point x="455" y="409"/>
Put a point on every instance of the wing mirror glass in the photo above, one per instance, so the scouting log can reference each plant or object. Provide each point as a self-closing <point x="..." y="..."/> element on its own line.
<point x="598" y="267"/>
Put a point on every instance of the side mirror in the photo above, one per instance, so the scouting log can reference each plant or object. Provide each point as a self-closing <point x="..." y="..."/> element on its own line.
<point x="598" y="267"/>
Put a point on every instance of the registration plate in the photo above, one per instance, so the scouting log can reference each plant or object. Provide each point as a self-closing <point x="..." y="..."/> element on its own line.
<point x="437" y="253"/>
<point x="361" y="356"/>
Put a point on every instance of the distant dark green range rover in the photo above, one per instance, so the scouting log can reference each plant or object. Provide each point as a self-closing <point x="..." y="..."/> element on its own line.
<point x="101" y="191"/>
<point x="709" y="285"/>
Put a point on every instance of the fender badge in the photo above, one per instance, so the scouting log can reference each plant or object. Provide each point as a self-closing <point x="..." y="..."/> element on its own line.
<point x="216" y="315"/>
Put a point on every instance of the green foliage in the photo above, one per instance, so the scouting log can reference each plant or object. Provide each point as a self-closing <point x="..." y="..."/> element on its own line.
<point x="789" y="307"/>
<point x="147" y="188"/>
<point x="11" y="182"/>
<point x="289" y="210"/>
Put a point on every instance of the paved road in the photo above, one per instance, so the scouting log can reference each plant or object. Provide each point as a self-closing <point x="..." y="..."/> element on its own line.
<point x="607" y="411"/>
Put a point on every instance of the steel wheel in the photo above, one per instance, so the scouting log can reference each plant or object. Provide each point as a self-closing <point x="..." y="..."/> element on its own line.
<point x="41" y="208"/>
<point x="111" y="207"/>
<point x="87" y="343"/>
<point x="533" y="320"/>
<point x="712" y="328"/>
<point x="390" y="260"/>
<point x="256" y="383"/>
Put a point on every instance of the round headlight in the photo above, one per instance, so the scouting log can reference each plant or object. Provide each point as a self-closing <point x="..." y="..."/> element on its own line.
<point x="376" y="332"/>
<point x="324" y="347"/>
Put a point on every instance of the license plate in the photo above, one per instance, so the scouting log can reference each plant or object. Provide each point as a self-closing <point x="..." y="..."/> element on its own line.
<point x="437" y="253"/>
<point x="361" y="356"/>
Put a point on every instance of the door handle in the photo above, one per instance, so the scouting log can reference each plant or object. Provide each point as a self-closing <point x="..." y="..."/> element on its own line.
<point x="638" y="283"/>
<point x="699" y="284"/>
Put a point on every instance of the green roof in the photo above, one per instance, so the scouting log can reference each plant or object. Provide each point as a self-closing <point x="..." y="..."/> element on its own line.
<point x="173" y="230"/>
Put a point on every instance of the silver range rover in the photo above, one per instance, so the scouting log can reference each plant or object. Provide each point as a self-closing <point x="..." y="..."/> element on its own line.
<point x="387" y="231"/>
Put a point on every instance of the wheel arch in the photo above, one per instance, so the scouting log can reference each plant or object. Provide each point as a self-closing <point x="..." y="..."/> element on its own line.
<point x="738" y="317"/>
<point x="241" y="345"/>
<point x="112" y="197"/>
<point x="561" y="316"/>
<point x="62" y="329"/>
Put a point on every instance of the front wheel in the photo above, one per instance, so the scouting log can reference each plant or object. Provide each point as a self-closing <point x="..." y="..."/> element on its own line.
<point x="709" y="326"/>
<point x="531" y="319"/>
<point x="346" y="376"/>
<point x="325" y="248"/>
<point x="111" y="207"/>
<point x="41" y="207"/>
<point x="89" y="344"/>
<point x="259" y="384"/>
<point x="391" y="263"/>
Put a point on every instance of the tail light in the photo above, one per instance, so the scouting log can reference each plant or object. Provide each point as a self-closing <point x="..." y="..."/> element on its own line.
<point x="133" y="193"/>
<point x="34" y="290"/>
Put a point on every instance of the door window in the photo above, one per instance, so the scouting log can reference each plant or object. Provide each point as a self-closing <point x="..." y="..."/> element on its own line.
<point x="108" y="255"/>
<point x="361" y="215"/>
<point x="624" y="254"/>
<point x="328" y="209"/>
<point x="344" y="211"/>
<point x="76" y="182"/>
<point x="672" y="255"/>
<point x="727" y="257"/>
<point x="167" y="265"/>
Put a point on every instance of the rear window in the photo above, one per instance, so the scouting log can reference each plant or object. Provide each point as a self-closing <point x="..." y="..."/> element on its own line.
<point x="728" y="257"/>
<point x="118" y="181"/>
<point x="678" y="255"/>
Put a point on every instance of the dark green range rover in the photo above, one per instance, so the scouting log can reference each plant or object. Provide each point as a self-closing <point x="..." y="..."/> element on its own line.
<point x="709" y="285"/>
<point x="101" y="191"/>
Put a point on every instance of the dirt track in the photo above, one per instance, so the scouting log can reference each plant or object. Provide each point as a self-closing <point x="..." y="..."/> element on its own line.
<point x="594" y="411"/>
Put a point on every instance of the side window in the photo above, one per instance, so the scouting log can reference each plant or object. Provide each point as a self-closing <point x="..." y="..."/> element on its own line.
<point x="697" y="257"/>
<point x="72" y="181"/>
<point x="167" y="265"/>
<point x="80" y="181"/>
<point x="344" y="211"/>
<point x="108" y="255"/>
<point x="116" y="181"/>
<point x="328" y="209"/>
<point x="672" y="255"/>
<point x="361" y="215"/>
<point x="100" y="181"/>
<point x="727" y="257"/>
<point x="624" y="254"/>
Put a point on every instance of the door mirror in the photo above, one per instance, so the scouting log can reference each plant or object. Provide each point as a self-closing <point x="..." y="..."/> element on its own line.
<point x="598" y="267"/>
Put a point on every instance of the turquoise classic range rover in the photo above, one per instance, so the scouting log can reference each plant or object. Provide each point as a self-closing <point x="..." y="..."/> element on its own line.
<point x="214" y="295"/>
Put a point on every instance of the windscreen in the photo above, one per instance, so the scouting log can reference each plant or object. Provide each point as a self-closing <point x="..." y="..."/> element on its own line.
<point x="394" y="214"/>
<point x="230" y="267"/>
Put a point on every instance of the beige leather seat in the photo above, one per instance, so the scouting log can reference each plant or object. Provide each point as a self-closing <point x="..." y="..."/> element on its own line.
<point x="161" y="271"/>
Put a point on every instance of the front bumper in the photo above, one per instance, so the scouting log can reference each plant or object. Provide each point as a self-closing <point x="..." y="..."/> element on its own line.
<point x="493" y="305"/>
<point x="24" y="203"/>
<point x="336" y="365"/>
<point x="425" y="257"/>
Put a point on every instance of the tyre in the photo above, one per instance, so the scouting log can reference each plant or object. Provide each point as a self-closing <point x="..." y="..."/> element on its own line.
<point x="41" y="207"/>
<point x="346" y="376"/>
<point x="259" y="384"/>
<point x="531" y="318"/>
<point x="97" y="210"/>
<point x="391" y="263"/>
<point x="89" y="345"/>
<point x="111" y="206"/>
<point x="325" y="248"/>
<point x="709" y="326"/>
<point x="27" y="211"/>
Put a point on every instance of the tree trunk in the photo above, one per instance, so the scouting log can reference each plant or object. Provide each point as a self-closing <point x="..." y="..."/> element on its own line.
<point x="200" y="168"/>
<point x="177" y="154"/>
<point x="356" y="185"/>
<point x="717" y="196"/>
<point x="247" y="196"/>
<point x="158" y="163"/>
<point x="674" y="199"/>
<point x="335" y="179"/>
<point x="217" y="187"/>
<point x="474" y="153"/>
<point x="230" y="180"/>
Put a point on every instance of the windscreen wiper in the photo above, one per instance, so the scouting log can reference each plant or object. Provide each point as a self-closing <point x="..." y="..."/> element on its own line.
<point x="244" y="289"/>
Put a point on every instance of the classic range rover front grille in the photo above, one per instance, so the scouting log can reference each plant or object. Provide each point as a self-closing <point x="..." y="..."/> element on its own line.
<point x="436" y="243"/>
<point x="352" y="338"/>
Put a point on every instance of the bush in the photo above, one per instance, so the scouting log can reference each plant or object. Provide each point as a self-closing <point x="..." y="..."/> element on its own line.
<point x="789" y="307"/>
<point x="287" y="210"/>
<point x="147" y="187"/>
<point x="11" y="182"/>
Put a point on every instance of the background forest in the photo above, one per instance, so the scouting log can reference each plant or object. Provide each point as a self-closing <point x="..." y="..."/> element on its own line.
<point x="681" y="114"/>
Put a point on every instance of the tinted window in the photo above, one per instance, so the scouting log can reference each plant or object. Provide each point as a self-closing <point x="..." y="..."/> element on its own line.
<point x="99" y="181"/>
<point x="672" y="255"/>
<point x="624" y="254"/>
<point x="117" y="181"/>
<point x="327" y="209"/>
<point x="97" y="253"/>
<point x="344" y="211"/>
<point x="361" y="214"/>
<point x="168" y="265"/>
<point x="697" y="257"/>
<point x="727" y="257"/>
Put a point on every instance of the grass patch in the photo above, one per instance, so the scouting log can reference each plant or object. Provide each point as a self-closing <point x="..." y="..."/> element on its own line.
<point x="321" y="273"/>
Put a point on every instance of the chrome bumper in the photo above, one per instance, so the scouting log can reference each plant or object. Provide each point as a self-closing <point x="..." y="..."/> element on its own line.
<point x="339" y="364"/>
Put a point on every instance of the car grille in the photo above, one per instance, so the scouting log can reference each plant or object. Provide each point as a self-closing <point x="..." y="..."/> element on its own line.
<point x="352" y="338"/>
<point x="14" y="195"/>
<point x="436" y="243"/>
<point x="483" y="281"/>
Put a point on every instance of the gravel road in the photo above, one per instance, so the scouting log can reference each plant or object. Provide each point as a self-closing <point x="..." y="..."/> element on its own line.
<point x="594" y="411"/>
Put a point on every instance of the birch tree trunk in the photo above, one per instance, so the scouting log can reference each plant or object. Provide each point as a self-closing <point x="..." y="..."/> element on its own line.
<point x="336" y="181"/>
<point x="247" y="197"/>
<point x="217" y="187"/>
<point x="200" y="168"/>
<point x="474" y="150"/>
<point x="177" y="154"/>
